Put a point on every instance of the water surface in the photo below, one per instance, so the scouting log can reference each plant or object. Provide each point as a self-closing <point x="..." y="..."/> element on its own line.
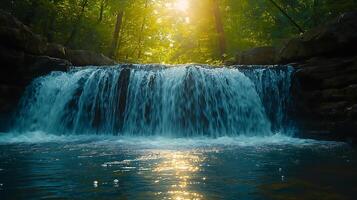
<point x="43" y="166"/>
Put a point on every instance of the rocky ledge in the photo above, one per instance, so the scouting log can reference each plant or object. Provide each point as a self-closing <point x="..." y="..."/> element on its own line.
<point x="325" y="91"/>
<point x="25" y="55"/>
<point x="325" y="82"/>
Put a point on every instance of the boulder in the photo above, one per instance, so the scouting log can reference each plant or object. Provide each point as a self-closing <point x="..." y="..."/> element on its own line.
<point x="55" y="51"/>
<point x="42" y="65"/>
<point x="86" y="58"/>
<point x="14" y="34"/>
<point x="257" y="56"/>
<point x="20" y="68"/>
<point x="339" y="37"/>
<point x="8" y="20"/>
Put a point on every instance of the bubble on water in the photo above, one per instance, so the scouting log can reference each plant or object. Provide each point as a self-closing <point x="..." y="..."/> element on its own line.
<point x="204" y="178"/>
<point x="95" y="183"/>
<point x="116" y="183"/>
<point x="282" y="178"/>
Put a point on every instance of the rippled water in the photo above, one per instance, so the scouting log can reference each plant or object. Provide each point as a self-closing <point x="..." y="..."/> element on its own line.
<point x="38" y="165"/>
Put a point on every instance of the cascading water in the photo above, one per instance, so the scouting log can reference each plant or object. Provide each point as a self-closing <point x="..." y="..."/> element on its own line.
<point x="144" y="100"/>
<point x="167" y="133"/>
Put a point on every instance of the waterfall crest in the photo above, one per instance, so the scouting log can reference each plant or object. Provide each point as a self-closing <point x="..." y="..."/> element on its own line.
<point x="143" y="100"/>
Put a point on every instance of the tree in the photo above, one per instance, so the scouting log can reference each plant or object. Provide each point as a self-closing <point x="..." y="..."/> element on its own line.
<point x="140" y="40"/>
<point x="77" y="23"/>
<point x="219" y="29"/>
<point x="117" y="29"/>
<point x="287" y="16"/>
<point x="101" y="11"/>
<point x="163" y="31"/>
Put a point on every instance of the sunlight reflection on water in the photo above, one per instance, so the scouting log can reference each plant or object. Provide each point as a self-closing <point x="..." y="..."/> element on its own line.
<point x="176" y="169"/>
<point x="179" y="168"/>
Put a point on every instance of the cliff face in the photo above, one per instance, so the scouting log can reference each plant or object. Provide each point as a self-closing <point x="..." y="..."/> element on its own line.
<point x="325" y="91"/>
<point x="325" y="82"/>
<point x="25" y="55"/>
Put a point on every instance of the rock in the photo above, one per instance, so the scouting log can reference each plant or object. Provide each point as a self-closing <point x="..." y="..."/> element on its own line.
<point x="86" y="58"/>
<point x="325" y="92"/>
<point x="10" y="95"/>
<point x="25" y="55"/>
<point x="7" y="20"/>
<point x="338" y="37"/>
<point x="11" y="57"/>
<point x="348" y="93"/>
<point x="55" y="51"/>
<point x="11" y="62"/>
<point x="14" y="34"/>
<point x="257" y="56"/>
<point x="322" y="73"/>
<point x="20" y="68"/>
<point x="41" y="65"/>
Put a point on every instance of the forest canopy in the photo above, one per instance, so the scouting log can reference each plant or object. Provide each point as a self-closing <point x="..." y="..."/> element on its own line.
<point x="173" y="31"/>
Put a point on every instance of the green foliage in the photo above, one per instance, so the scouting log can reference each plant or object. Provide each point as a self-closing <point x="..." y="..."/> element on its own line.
<point x="171" y="31"/>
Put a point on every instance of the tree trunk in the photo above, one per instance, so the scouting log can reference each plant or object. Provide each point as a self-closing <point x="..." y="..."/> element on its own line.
<point x="101" y="11"/>
<point x="287" y="16"/>
<point x="315" y="18"/>
<point x="50" y="29"/>
<point x="31" y="13"/>
<point x="118" y="24"/>
<point x="121" y="36"/>
<point x="78" y="22"/>
<point x="140" y="45"/>
<point x="219" y="29"/>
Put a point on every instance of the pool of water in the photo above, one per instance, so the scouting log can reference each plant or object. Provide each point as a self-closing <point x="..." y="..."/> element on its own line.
<point x="43" y="166"/>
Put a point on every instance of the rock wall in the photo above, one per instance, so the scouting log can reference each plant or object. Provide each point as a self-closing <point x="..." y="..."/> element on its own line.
<point x="325" y="92"/>
<point x="25" y="55"/>
<point x="325" y="82"/>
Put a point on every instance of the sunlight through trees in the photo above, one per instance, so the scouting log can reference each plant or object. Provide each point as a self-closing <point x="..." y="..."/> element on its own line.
<point x="172" y="31"/>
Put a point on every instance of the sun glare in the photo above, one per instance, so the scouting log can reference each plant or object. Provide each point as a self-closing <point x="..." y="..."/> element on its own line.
<point x="181" y="5"/>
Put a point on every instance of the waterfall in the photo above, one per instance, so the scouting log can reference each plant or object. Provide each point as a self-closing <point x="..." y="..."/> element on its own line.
<point x="142" y="100"/>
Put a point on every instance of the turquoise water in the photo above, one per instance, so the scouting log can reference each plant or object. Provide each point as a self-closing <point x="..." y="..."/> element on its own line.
<point x="164" y="132"/>
<point x="142" y="100"/>
<point x="43" y="166"/>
